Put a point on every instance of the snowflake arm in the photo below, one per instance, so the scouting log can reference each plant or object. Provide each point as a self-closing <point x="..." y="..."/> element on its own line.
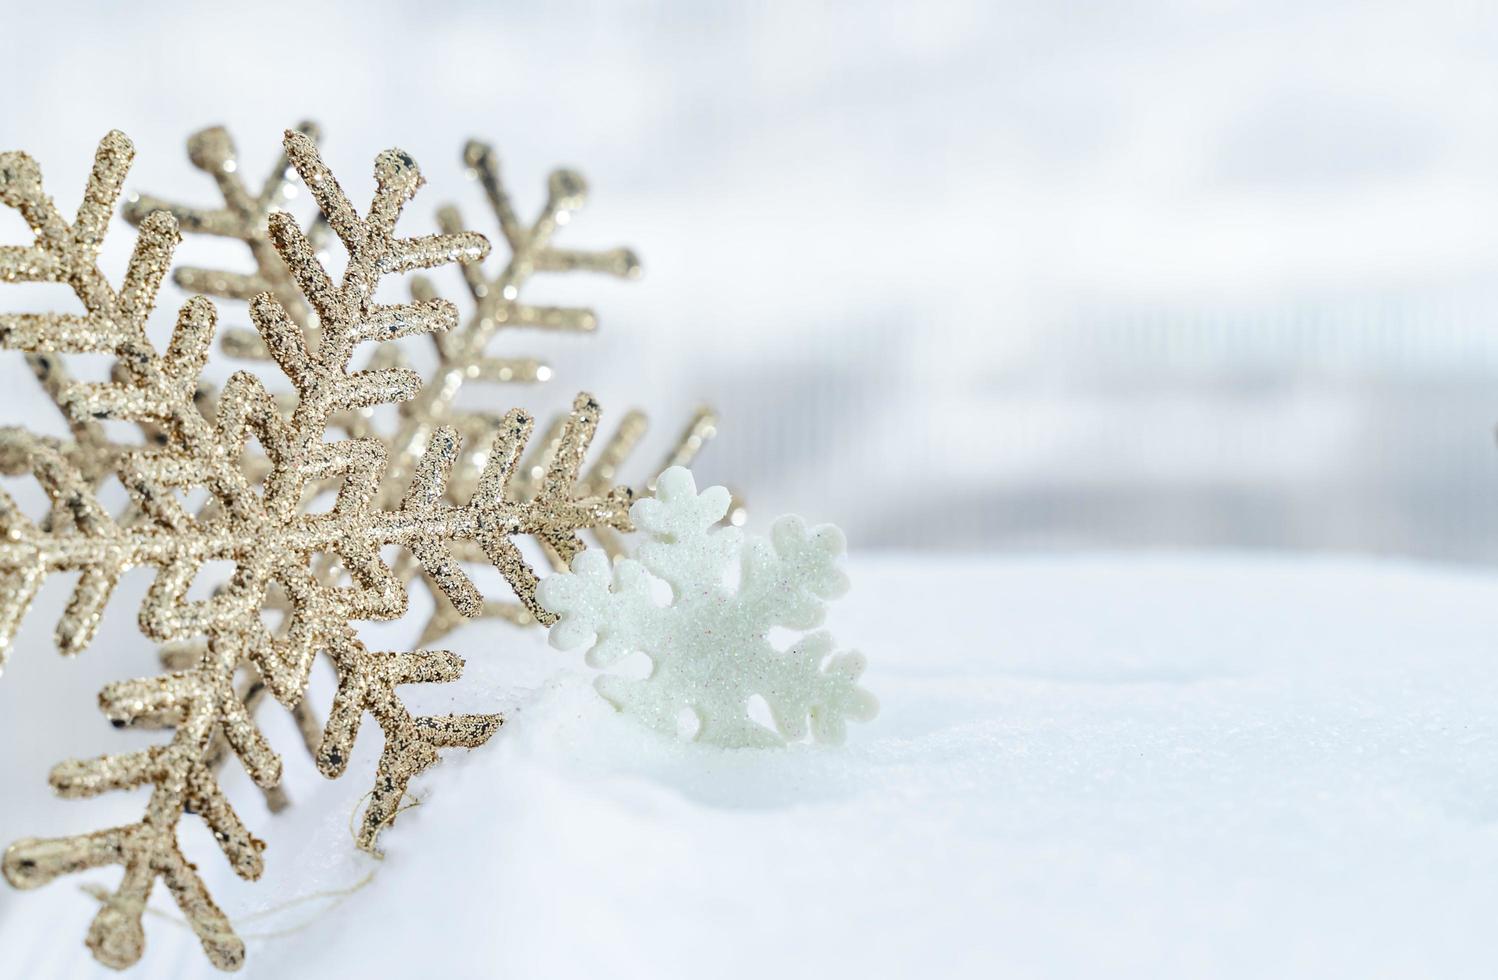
<point x="685" y="549"/>
<point x="612" y="606"/>
<point x="198" y="704"/>
<point x="498" y="304"/>
<point x="245" y="216"/>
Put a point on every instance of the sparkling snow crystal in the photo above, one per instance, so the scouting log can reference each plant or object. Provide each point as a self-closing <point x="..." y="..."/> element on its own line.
<point x="709" y="644"/>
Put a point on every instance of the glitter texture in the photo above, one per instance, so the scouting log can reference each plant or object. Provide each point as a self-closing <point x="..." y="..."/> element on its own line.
<point x="463" y="353"/>
<point x="262" y="528"/>
<point x="709" y="645"/>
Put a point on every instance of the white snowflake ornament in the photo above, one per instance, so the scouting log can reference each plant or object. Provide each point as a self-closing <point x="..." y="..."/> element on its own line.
<point x="709" y="645"/>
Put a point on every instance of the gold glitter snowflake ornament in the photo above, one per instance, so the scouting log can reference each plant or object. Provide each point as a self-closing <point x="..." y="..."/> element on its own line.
<point x="709" y="645"/>
<point x="261" y="526"/>
<point x="464" y="354"/>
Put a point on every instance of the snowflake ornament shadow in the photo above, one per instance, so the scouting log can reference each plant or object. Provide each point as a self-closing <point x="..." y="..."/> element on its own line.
<point x="710" y="645"/>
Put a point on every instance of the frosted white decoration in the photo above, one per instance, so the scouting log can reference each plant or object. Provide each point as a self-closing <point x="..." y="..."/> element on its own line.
<point x="709" y="645"/>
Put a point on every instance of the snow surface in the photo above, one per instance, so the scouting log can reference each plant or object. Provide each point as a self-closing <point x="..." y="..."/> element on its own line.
<point x="1163" y="766"/>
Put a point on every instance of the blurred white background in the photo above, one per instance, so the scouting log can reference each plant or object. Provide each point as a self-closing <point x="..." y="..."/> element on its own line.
<point x="958" y="275"/>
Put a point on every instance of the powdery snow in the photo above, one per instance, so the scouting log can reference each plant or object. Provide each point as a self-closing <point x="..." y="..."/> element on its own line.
<point x="1166" y="766"/>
